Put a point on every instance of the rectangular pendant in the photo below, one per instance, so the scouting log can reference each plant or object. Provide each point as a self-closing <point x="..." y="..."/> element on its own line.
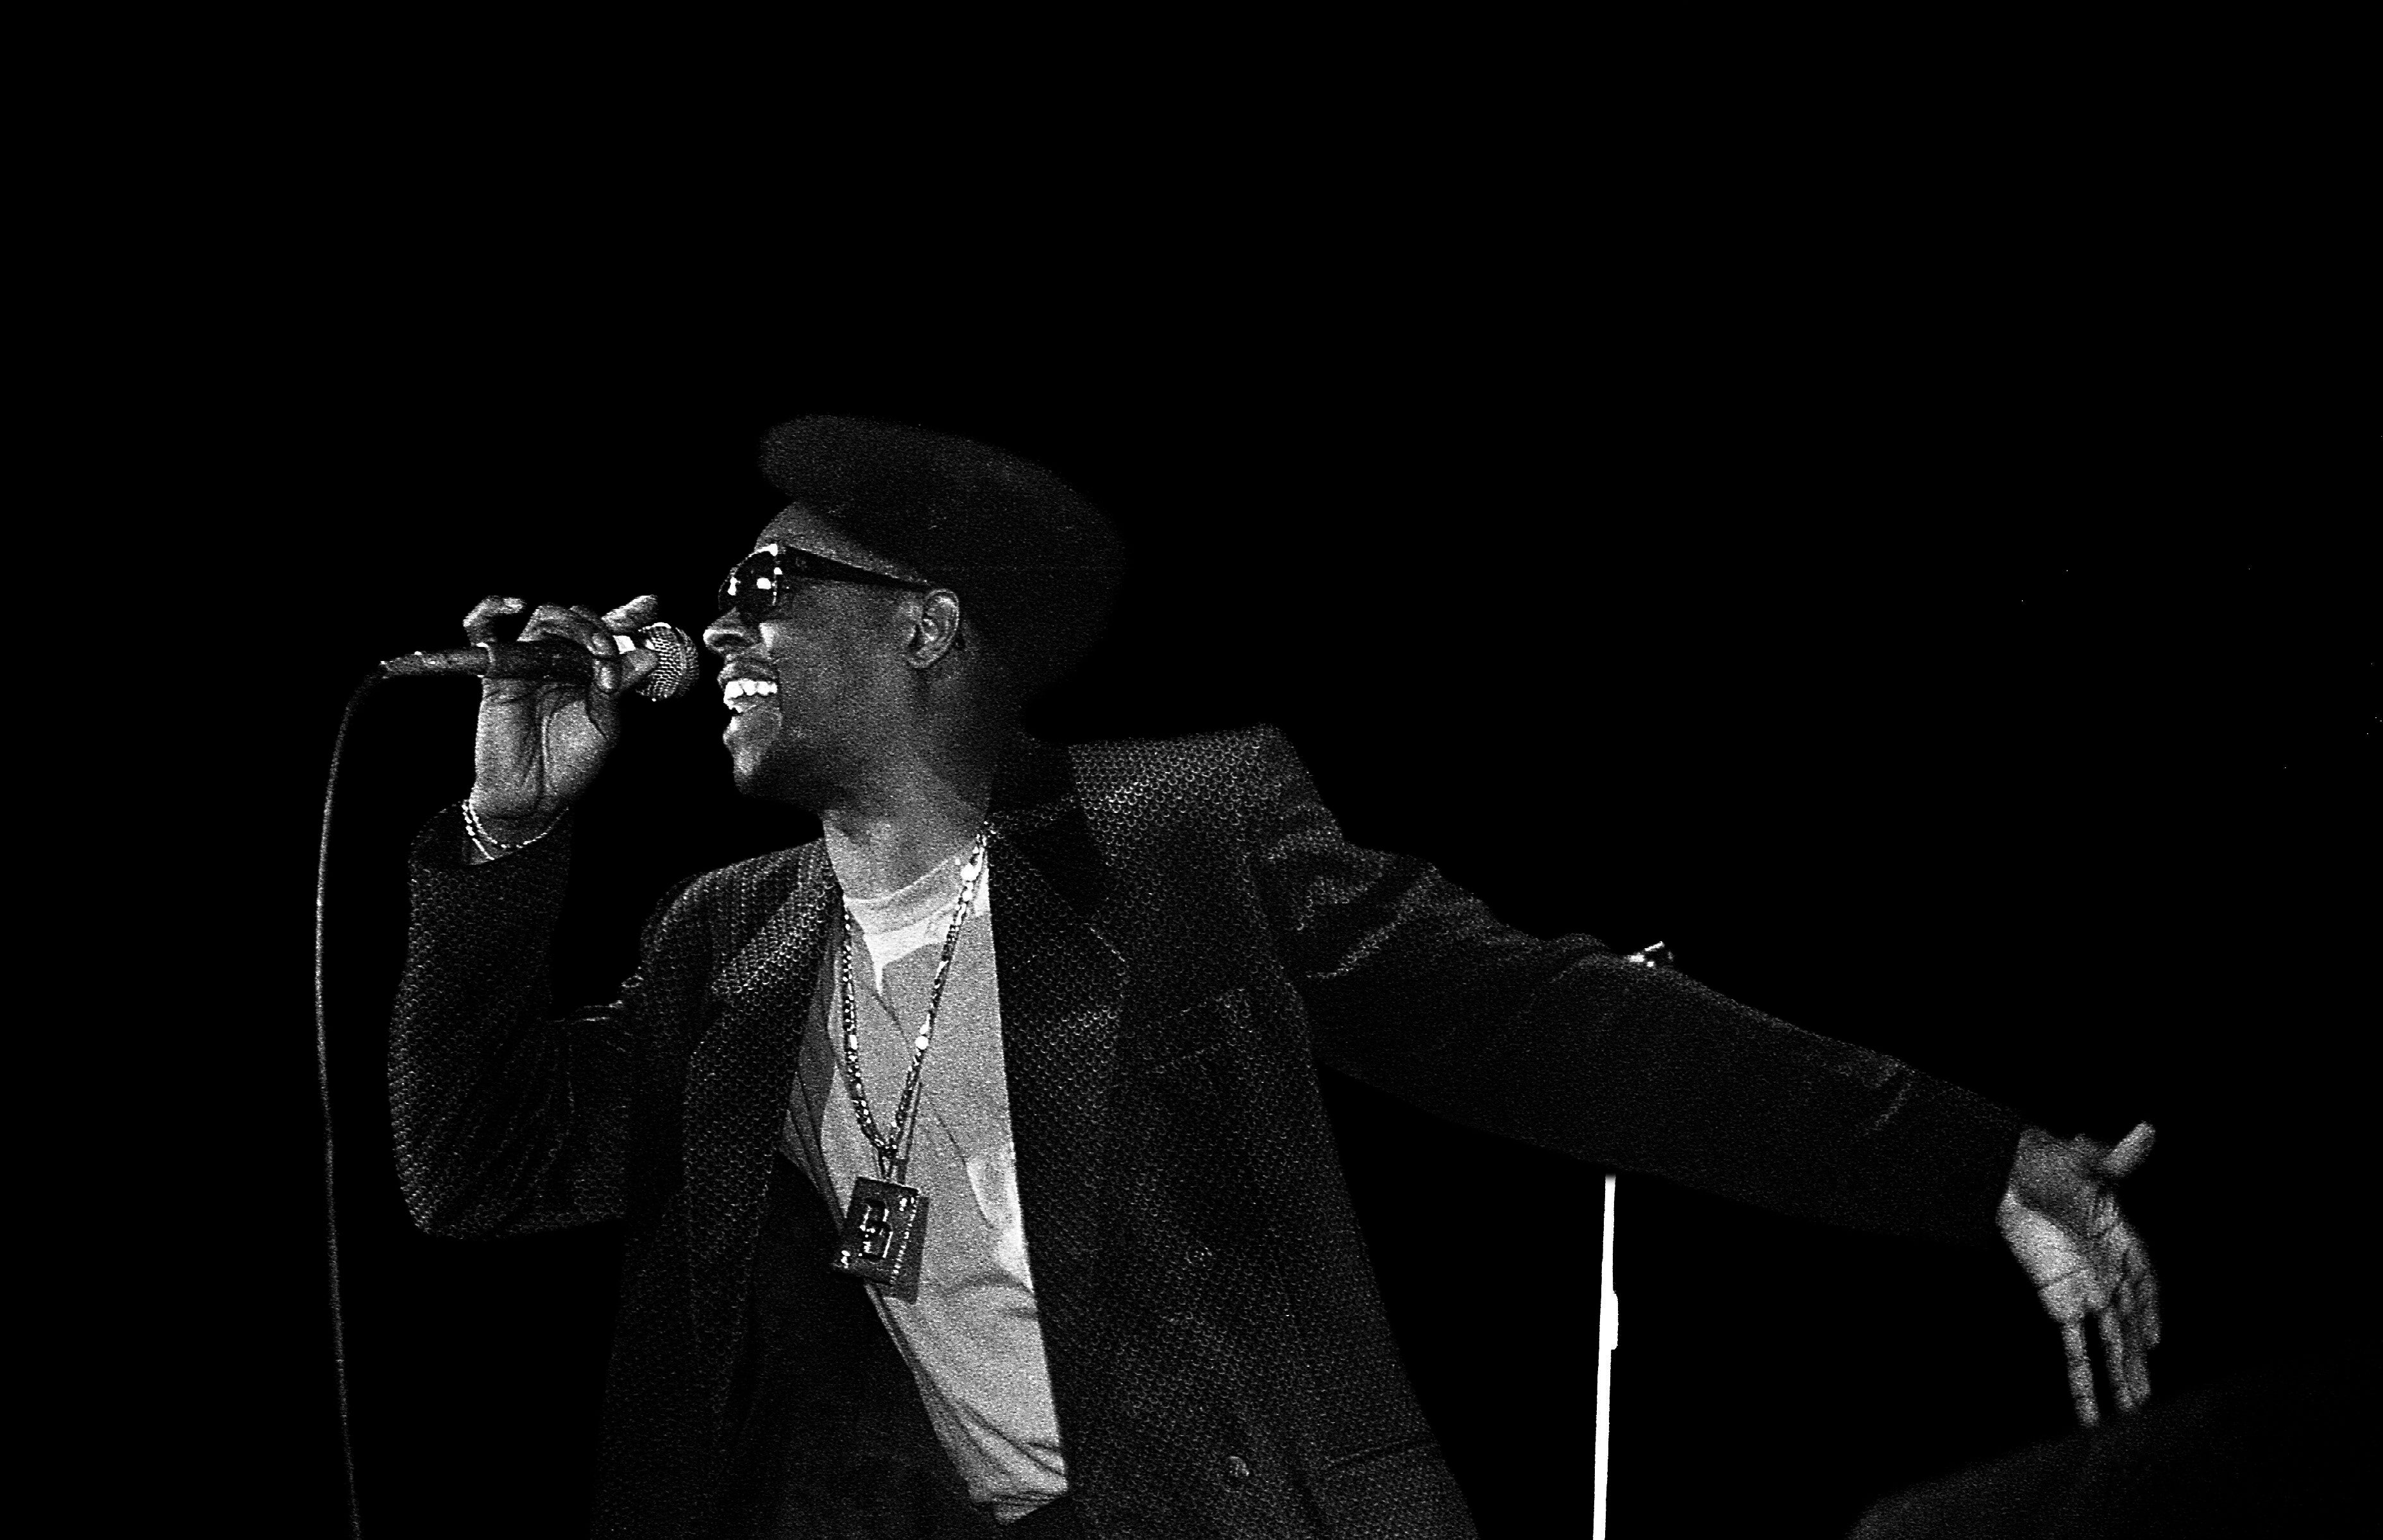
<point x="885" y="1235"/>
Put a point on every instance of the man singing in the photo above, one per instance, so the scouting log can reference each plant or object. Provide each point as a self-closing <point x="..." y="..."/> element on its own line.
<point x="973" y="1166"/>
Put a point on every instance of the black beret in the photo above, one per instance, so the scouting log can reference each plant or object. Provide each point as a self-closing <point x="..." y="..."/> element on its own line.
<point x="1032" y="561"/>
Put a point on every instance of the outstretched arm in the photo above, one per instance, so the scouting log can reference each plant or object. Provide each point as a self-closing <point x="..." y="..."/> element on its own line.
<point x="1414" y="987"/>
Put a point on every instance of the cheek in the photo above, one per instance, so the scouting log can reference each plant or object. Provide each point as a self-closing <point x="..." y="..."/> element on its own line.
<point x="806" y="682"/>
<point x="798" y="649"/>
<point x="814" y="663"/>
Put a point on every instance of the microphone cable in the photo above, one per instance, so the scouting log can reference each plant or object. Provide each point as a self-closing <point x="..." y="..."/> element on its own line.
<point x="323" y="1084"/>
<point x="676" y="669"/>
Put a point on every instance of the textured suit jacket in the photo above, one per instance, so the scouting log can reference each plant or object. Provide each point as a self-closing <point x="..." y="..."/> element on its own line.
<point x="1183" y="933"/>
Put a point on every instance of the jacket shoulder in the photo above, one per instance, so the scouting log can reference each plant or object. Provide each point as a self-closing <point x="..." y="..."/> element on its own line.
<point x="734" y="900"/>
<point x="1211" y="774"/>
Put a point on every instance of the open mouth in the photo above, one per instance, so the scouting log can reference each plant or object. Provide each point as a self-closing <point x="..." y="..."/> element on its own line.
<point x="741" y="696"/>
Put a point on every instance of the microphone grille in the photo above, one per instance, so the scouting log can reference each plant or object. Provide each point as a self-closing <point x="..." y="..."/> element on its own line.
<point x="676" y="664"/>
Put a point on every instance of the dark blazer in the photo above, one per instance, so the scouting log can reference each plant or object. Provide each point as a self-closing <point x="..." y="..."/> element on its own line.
<point x="1183" y="933"/>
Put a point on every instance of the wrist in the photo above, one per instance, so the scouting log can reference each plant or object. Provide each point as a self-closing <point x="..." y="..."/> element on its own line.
<point x="494" y="836"/>
<point x="512" y="816"/>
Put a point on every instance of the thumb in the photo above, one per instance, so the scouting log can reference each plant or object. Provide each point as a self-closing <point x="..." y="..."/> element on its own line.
<point x="2129" y="1155"/>
<point x="635" y="666"/>
<point x="639" y="661"/>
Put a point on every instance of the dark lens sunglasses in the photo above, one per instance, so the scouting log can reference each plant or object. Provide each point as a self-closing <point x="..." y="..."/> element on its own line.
<point x="756" y="589"/>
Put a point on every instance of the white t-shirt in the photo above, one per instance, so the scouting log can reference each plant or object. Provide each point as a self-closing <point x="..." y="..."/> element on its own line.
<point x="973" y="1340"/>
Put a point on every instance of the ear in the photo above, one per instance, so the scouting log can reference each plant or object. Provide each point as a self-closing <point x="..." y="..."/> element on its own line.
<point x="934" y="630"/>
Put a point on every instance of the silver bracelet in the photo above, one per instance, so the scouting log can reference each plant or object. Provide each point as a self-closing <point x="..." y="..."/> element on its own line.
<point x="491" y="848"/>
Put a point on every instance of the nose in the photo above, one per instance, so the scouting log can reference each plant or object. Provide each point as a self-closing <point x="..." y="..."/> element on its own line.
<point x="729" y="634"/>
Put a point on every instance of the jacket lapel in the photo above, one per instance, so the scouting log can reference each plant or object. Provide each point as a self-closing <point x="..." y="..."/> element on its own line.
<point x="1062" y="986"/>
<point x="738" y="1081"/>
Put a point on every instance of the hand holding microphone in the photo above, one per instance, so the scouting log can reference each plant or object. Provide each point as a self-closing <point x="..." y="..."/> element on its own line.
<point x="550" y="701"/>
<point x="672" y="665"/>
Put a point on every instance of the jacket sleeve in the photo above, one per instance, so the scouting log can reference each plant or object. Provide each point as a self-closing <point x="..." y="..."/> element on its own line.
<point x="508" y="1117"/>
<point x="1413" y="987"/>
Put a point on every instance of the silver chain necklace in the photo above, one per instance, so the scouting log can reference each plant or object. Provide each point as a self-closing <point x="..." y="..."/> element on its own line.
<point x="885" y="1229"/>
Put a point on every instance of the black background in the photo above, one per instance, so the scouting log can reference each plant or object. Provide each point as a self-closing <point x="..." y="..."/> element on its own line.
<point x="1921" y="622"/>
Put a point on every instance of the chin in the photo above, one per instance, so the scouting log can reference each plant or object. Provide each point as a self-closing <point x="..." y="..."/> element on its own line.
<point x="758" y="780"/>
<point x="770" y="776"/>
<point x="751" y="772"/>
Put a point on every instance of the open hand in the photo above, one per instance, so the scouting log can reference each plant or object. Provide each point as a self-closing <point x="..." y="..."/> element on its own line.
<point x="2062" y="1222"/>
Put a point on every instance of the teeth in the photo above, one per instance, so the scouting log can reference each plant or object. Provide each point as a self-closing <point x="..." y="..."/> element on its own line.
<point x="735" y="691"/>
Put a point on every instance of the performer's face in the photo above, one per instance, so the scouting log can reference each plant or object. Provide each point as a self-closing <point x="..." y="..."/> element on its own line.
<point x="826" y="667"/>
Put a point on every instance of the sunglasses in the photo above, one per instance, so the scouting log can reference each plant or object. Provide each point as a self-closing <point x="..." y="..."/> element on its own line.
<point x="758" y="588"/>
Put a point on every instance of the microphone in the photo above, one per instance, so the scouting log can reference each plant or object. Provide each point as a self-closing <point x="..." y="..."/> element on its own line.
<point x="675" y="661"/>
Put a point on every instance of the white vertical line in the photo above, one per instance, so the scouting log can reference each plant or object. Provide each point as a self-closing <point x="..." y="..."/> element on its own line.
<point x="1608" y="1332"/>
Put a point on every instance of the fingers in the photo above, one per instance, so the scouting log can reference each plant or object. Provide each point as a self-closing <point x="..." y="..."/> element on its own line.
<point x="2080" y="1373"/>
<point x="2117" y="1359"/>
<point x="2134" y="1284"/>
<point x="480" y="625"/>
<point x="2138" y="1302"/>
<point x="606" y="647"/>
<point x="2139" y="1368"/>
<point x="2137" y="1299"/>
<point x="2128" y="1319"/>
<point x="605" y="637"/>
<point x="579" y="624"/>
